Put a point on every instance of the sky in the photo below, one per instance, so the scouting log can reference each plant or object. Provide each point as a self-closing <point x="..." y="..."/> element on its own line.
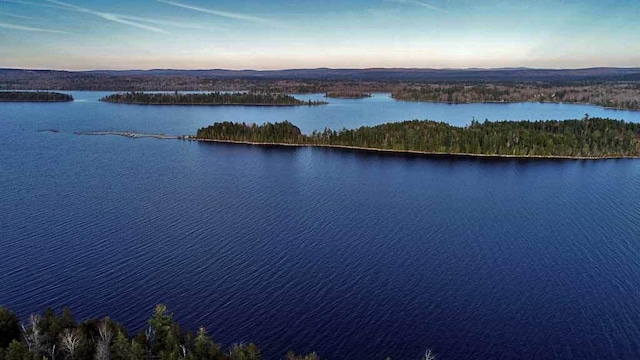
<point x="284" y="34"/>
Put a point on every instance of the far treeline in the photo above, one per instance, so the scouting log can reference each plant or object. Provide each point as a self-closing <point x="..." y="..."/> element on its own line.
<point x="617" y="96"/>
<point x="33" y="96"/>
<point x="347" y="94"/>
<point x="52" y="336"/>
<point x="214" y="98"/>
<point x="586" y="138"/>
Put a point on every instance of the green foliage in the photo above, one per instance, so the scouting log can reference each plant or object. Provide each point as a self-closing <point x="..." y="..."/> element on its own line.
<point x="590" y="137"/>
<point x="9" y="327"/>
<point x="121" y="347"/>
<point x="33" y="96"/>
<point x="346" y="94"/>
<point x="86" y="341"/>
<point x="167" y="336"/>
<point x="18" y="351"/>
<point x="284" y="132"/>
<point x="205" y="348"/>
<point x="215" y="98"/>
<point x="52" y="325"/>
<point x="245" y="352"/>
<point x="292" y="356"/>
<point x="137" y="351"/>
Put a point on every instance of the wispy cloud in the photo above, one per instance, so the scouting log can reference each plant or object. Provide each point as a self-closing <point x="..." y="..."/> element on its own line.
<point x="170" y="23"/>
<point x="225" y="14"/>
<point x="422" y="4"/>
<point x="17" y="16"/>
<point x="24" y="2"/>
<point x="28" y="28"/>
<point x="130" y="20"/>
<point x="117" y="18"/>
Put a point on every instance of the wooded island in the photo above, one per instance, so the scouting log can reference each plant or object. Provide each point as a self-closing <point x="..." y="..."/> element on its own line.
<point x="213" y="98"/>
<point x="33" y="96"/>
<point x="585" y="138"/>
<point x="347" y="94"/>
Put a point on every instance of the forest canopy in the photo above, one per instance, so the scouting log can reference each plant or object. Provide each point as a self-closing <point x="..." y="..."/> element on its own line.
<point x="585" y="138"/>
<point x="52" y="336"/>
<point x="33" y="96"/>
<point x="337" y="94"/>
<point x="617" y="96"/>
<point x="213" y="98"/>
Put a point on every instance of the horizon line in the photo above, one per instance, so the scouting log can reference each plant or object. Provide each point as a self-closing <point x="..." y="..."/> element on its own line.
<point x="505" y="68"/>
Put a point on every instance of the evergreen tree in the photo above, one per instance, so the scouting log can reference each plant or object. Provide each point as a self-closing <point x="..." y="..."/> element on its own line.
<point x="9" y="327"/>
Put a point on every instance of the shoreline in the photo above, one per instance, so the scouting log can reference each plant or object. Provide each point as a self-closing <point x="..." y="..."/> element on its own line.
<point x="128" y="134"/>
<point x="200" y="104"/>
<point x="514" y="102"/>
<point x="413" y="152"/>
<point x="36" y="101"/>
<point x="135" y="135"/>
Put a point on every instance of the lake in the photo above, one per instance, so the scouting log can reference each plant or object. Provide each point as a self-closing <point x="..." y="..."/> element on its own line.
<point x="353" y="255"/>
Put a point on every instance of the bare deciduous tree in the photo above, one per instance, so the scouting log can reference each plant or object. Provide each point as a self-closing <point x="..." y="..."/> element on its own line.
<point x="102" y="348"/>
<point x="33" y="335"/>
<point x="69" y="340"/>
<point x="429" y="355"/>
<point x="150" y="334"/>
<point x="52" y="351"/>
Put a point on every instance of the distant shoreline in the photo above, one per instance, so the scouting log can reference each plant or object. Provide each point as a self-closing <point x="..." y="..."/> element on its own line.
<point x="34" y="97"/>
<point x="208" y="99"/>
<point x="514" y="102"/>
<point x="200" y="104"/>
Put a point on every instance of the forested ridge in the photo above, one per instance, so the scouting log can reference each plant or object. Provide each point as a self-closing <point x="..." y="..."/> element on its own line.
<point x="216" y="80"/>
<point x="52" y="336"/>
<point x="213" y="98"/>
<point x="619" y="96"/>
<point x="33" y="96"/>
<point x="585" y="138"/>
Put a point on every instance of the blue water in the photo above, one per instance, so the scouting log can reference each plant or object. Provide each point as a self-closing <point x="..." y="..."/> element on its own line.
<point x="353" y="255"/>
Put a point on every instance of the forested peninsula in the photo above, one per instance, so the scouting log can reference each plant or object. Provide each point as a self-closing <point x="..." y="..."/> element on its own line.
<point x="587" y="138"/>
<point x="615" y="96"/>
<point x="52" y="336"/>
<point x="33" y="96"/>
<point x="210" y="99"/>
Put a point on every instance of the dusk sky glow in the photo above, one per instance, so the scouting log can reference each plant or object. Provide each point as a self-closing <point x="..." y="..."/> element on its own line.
<point x="278" y="34"/>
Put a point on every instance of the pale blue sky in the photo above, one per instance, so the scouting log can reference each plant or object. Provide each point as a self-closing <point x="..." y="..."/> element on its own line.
<point x="276" y="34"/>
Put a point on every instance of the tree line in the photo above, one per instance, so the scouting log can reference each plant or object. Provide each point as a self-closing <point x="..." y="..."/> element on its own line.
<point x="33" y="96"/>
<point x="52" y="336"/>
<point x="346" y="94"/>
<point x="619" y="96"/>
<point x="587" y="137"/>
<point x="213" y="98"/>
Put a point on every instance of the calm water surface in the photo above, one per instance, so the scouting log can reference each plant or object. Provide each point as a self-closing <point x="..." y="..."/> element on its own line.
<point x="353" y="255"/>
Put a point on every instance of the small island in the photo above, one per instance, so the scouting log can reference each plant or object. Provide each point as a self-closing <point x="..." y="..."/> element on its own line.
<point x="33" y="96"/>
<point x="347" y="95"/>
<point x="209" y="99"/>
<point x="588" y="138"/>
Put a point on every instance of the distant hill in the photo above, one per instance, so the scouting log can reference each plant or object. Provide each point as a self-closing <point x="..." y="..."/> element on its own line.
<point x="386" y="74"/>
<point x="219" y="79"/>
